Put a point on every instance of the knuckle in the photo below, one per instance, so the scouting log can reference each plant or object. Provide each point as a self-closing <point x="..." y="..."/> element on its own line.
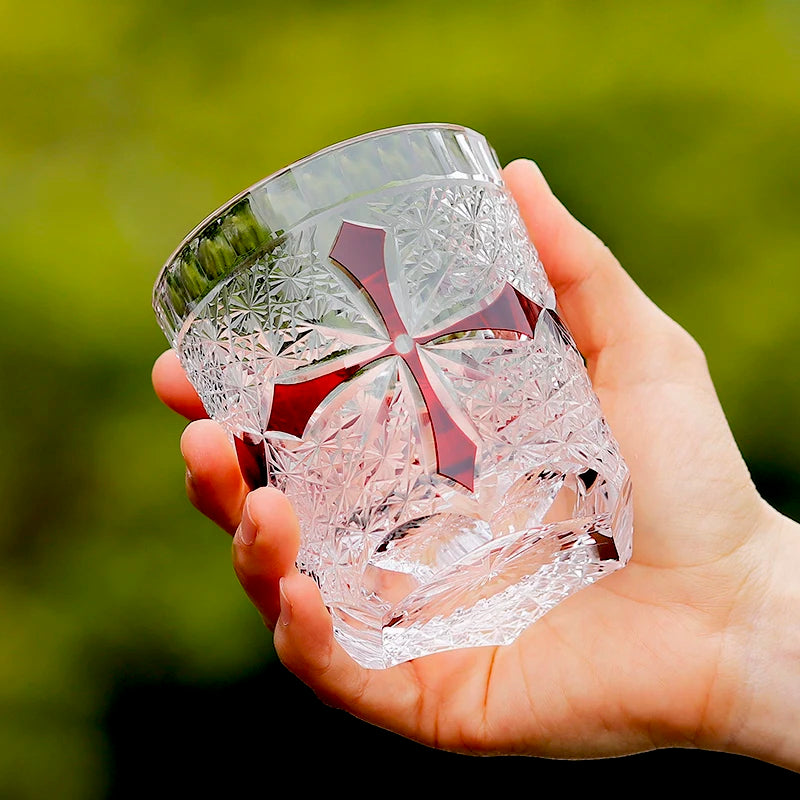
<point x="690" y="348"/>
<point x="603" y="251"/>
<point x="677" y="345"/>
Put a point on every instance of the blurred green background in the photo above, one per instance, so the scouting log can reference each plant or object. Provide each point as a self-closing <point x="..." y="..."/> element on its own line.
<point x="670" y="128"/>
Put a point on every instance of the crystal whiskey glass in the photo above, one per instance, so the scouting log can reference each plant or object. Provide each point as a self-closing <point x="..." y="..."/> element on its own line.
<point x="373" y="328"/>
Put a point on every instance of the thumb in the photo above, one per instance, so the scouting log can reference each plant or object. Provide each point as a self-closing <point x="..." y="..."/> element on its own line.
<point x="601" y="304"/>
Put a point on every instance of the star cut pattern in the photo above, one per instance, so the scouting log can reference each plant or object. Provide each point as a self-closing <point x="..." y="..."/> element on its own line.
<point x="408" y="561"/>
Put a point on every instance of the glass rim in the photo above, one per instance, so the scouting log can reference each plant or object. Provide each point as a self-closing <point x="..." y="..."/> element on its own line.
<point x="226" y="206"/>
<point x="258" y="219"/>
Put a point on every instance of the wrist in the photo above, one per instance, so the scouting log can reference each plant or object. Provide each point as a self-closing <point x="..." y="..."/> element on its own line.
<point x="760" y="657"/>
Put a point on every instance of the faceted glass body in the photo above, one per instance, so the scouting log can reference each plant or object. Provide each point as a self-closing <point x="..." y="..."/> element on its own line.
<point x="374" y="329"/>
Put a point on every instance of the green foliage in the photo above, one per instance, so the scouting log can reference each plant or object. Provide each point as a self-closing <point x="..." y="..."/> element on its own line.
<point x="671" y="129"/>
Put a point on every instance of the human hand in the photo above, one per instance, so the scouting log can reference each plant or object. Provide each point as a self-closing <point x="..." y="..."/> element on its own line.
<point x="689" y="645"/>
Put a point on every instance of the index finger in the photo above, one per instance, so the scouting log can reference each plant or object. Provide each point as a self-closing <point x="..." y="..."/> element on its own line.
<point x="173" y="387"/>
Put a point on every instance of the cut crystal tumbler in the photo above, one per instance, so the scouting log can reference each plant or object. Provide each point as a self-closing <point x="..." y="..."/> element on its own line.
<point x="374" y="329"/>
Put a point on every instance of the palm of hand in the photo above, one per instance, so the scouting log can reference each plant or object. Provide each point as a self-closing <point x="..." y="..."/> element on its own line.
<point x="598" y="674"/>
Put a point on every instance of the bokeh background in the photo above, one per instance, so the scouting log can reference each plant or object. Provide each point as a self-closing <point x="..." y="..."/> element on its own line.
<point x="130" y="662"/>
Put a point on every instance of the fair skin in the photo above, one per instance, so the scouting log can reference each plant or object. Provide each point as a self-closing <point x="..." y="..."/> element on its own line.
<point x="696" y="643"/>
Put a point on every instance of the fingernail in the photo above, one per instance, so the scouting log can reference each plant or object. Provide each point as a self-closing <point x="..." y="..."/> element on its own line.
<point x="247" y="529"/>
<point x="286" y="605"/>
